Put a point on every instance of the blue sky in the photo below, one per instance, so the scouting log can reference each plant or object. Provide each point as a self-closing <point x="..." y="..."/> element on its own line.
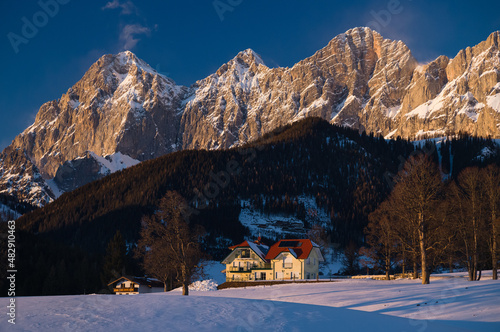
<point x="188" y="40"/>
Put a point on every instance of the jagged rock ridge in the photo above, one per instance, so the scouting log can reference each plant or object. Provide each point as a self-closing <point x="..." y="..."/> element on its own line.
<point x="360" y="80"/>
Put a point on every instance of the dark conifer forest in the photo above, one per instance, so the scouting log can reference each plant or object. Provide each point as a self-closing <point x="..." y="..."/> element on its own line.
<point x="348" y="174"/>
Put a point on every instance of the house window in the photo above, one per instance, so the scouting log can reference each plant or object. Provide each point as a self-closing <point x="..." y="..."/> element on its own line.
<point x="287" y="262"/>
<point x="245" y="253"/>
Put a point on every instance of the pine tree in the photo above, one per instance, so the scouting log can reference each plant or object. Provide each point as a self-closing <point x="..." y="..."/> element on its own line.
<point x="114" y="260"/>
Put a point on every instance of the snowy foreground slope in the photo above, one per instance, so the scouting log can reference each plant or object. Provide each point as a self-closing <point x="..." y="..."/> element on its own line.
<point x="447" y="304"/>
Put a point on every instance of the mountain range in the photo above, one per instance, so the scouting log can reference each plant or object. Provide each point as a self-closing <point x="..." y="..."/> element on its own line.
<point x="123" y="112"/>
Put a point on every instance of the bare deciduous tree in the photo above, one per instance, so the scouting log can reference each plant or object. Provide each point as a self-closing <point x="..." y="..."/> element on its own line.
<point x="153" y="249"/>
<point x="380" y="235"/>
<point x="415" y="200"/>
<point x="469" y="196"/>
<point x="491" y="178"/>
<point x="169" y="244"/>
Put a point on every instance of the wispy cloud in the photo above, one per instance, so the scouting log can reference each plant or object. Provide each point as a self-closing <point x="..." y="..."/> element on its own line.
<point x="130" y="30"/>
<point x="126" y="7"/>
<point x="129" y="33"/>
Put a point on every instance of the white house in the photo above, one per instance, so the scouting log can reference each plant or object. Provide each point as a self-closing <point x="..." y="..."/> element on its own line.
<point x="286" y="259"/>
<point x="136" y="285"/>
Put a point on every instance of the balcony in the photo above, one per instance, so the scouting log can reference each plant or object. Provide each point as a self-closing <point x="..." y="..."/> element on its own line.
<point x="238" y="269"/>
<point x="125" y="290"/>
<point x="249" y="268"/>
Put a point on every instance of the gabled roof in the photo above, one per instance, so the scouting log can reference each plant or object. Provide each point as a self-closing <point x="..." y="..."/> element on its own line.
<point x="299" y="248"/>
<point x="125" y="278"/>
<point x="260" y="249"/>
<point x="140" y="280"/>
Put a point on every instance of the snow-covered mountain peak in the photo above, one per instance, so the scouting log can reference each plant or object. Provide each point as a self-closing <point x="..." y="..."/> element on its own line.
<point x="241" y="63"/>
<point x="249" y="57"/>
<point x="131" y="63"/>
<point x="359" y="80"/>
<point x="120" y="104"/>
<point x="362" y="32"/>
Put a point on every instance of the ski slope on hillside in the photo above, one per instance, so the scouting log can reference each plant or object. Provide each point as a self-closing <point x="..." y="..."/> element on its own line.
<point x="449" y="303"/>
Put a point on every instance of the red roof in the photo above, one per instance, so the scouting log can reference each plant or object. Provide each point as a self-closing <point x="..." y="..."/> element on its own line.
<point x="300" y="248"/>
<point x="246" y="244"/>
<point x="259" y="248"/>
<point x="242" y="244"/>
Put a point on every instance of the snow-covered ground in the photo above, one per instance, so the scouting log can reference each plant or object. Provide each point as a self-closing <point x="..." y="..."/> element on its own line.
<point x="449" y="303"/>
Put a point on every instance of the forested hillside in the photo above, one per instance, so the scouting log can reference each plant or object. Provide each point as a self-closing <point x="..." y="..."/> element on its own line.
<point x="346" y="173"/>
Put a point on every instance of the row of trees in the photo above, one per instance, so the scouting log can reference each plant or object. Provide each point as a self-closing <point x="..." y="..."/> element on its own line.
<point x="345" y="172"/>
<point x="430" y="223"/>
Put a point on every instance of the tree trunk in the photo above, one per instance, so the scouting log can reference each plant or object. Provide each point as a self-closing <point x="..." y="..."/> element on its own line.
<point x="494" y="259"/>
<point x="479" y="276"/>
<point x="470" y="270"/>
<point x="469" y="261"/>
<point x="404" y="264"/>
<point x="165" y="285"/>
<point x="474" y="252"/>
<point x="185" y="282"/>
<point x="415" y="267"/>
<point x="387" y="268"/>
<point x="423" y="253"/>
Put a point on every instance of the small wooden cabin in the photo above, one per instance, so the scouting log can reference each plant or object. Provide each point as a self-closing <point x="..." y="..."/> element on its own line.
<point x="127" y="285"/>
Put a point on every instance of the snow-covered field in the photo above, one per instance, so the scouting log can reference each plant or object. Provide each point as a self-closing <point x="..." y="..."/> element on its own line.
<point x="449" y="303"/>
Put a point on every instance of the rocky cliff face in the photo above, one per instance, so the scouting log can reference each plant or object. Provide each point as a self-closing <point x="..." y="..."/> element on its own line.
<point x="357" y="80"/>
<point x="120" y="104"/>
<point x="360" y="80"/>
<point x="20" y="178"/>
<point x="457" y="95"/>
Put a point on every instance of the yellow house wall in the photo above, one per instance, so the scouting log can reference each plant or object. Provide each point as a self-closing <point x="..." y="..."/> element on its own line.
<point x="299" y="268"/>
<point x="281" y="272"/>
<point x="251" y="263"/>
<point x="313" y="267"/>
